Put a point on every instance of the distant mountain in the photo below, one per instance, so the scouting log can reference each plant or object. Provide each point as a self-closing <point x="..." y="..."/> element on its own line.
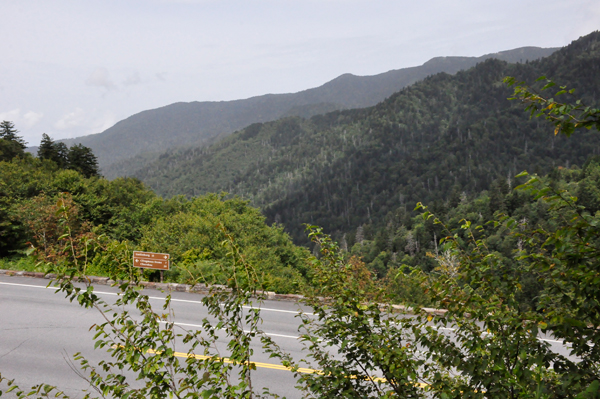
<point x="437" y="138"/>
<point x="152" y="132"/>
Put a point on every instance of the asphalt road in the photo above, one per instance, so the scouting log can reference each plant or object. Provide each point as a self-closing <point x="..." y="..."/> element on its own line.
<point x="40" y="331"/>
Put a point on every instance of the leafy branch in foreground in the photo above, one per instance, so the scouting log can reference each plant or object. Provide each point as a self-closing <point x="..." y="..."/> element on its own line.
<point x="565" y="116"/>
<point x="486" y="345"/>
<point x="361" y="349"/>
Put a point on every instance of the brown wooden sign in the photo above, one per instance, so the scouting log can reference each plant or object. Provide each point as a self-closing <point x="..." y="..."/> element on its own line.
<point x="151" y="260"/>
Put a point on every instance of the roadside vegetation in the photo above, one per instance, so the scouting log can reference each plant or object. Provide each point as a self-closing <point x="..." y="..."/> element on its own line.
<point x="505" y="264"/>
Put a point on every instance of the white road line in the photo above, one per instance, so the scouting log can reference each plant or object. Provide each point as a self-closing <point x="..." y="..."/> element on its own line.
<point x="246" y="331"/>
<point x="27" y="285"/>
<point x="245" y="307"/>
<point x="541" y="339"/>
<point x="159" y="298"/>
<point x="53" y="288"/>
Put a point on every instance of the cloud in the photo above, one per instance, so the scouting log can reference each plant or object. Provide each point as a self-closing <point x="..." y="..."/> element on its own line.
<point x="12" y="115"/>
<point x="86" y="122"/>
<point x="32" y="118"/>
<point x="132" y="79"/>
<point x="100" y="78"/>
<point x="162" y="76"/>
<point x="71" y="119"/>
<point x="27" y="120"/>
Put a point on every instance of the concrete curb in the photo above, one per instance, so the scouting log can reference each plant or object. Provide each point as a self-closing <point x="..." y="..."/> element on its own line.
<point x="196" y="289"/>
<point x="204" y="290"/>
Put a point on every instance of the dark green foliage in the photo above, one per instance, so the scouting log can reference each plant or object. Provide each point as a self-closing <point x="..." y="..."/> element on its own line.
<point x="588" y="192"/>
<point x="9" y="150"/>
<point x="251" y="131"/>
<point x="53" y="151"/>
<point x="9" y="133"/>
<point x="83" y="160"/>
<point x="126" y="213"/>
<point x="11" y="145"/>
<point x="46" y="150"/>
<point x="78" y="157"/>
<point x="431" y="142"/>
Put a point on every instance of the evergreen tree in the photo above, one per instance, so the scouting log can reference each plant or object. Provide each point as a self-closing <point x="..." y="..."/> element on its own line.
<point x="83" y="160"/>
<point x="498" y="191"/>
<point x="56" y="152"/>
<point x="11" y="145"/>
<point x="9" y="133"/>
<point x="62" y="154"/>
<point x="46" y="149"/>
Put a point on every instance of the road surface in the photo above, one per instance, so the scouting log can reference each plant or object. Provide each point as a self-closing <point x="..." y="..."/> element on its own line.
<point x="40" y="331"/>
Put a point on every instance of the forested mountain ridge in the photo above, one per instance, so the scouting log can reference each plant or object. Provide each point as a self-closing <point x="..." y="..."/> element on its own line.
<point x="439" y="137"/>
<point x="195" y="123"/>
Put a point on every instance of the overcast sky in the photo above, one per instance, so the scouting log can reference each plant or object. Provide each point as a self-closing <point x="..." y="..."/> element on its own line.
<point x="71" y="67"/>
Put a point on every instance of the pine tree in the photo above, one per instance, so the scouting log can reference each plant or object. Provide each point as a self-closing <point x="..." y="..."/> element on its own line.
<point x="83" y="160"/>
<point x="497" y="193"/>
<point x="56" y="152"/>
<point x="46" y="149"/>
<point x="9" y="133"/>
<point x="62" y="153"/>
<point x="11" y="145"/>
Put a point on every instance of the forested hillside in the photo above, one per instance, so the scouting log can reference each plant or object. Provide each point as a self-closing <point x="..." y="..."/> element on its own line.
<point x="150" y="133"/>
<point x="432" y="141"/>
<point x="61" y="217"/>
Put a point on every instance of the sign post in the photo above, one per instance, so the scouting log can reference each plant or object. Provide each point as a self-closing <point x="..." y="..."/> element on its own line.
<point x="151" y="260"/>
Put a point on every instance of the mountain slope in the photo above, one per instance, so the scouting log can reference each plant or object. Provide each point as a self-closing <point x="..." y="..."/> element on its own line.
<point x="444" y="135"/>
<point x="182" y="124"/>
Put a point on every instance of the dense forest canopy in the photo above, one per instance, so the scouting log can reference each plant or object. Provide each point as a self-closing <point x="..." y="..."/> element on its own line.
<point x="430" y="142"/>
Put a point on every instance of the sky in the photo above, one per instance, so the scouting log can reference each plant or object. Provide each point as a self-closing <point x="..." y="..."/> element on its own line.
<point x="71" y="68"/>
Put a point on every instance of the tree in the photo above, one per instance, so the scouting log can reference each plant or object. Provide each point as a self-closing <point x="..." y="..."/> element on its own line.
<point x="56" y="152"/>
<point x="83" y="160"/>
<point x="8" y="132"/>
<point x="11" y="145"/>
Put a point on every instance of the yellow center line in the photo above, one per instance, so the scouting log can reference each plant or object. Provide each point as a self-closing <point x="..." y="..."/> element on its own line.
<point x="229" y="361"/>
<point x="266" y="365"/>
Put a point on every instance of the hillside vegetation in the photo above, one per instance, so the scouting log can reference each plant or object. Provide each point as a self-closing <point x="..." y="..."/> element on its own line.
<point x="152" y="132"/>
<point x="430" y="142"/>
<point x="42" y="203"/>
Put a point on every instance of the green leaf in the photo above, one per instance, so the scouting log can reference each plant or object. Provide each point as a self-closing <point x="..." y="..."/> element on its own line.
<point x="522" y="174"/>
